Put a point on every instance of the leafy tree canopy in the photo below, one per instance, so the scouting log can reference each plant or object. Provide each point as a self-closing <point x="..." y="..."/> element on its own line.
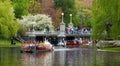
<point x="20" y="7"/>
<point x="104" y="11"/>
<point x="8" y="25"/>
<point x="83" y="12"/>
<point x="34" y="7"/>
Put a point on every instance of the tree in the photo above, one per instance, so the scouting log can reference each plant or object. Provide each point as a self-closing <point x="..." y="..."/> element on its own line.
<point x="83" y="11"/>
<point x="48" y="8"/>
<point x="20" y="7"/>
<point x="57" y="18"/>
<point x="105" y="11"/>
<point x="34" y="7"/>
<point x="8" y="25"/>
<point x="39" y="21"/>
<point x="68" y="7"/>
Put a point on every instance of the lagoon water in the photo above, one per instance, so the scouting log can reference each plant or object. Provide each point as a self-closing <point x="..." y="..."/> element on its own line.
<point x="59" y="57"/>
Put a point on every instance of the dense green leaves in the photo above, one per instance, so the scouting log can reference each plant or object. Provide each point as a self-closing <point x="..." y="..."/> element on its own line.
<point x="34" y="7"/>
<point x="105" y="11"/>
<point x="83" y="12"/>
<point x="20" y="7"/>
<point x="8" y="26"/>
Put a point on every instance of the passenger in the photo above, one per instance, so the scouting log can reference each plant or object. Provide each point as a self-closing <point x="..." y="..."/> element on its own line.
<point x="31" y="45"/>
<point x="80" y="40"/>
<point x="84" y="42"/>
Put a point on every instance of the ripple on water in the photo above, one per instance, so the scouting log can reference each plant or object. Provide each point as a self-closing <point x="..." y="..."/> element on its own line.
<point x="66" y="49"/>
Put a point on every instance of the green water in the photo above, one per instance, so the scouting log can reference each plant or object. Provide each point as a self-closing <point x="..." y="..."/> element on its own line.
<point x="59" y="57"/>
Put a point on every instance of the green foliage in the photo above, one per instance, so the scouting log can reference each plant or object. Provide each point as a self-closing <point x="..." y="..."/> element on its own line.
<point x="8" y="26"/>
<point x="112" y="48"/>
<point x="20" y="7"/>
<point x="105" y="11"/>
<point x="83" y="12"/>
<point x="68" y="7"/>
<point x="34" y="7"/>
<point x="7" y="43"/>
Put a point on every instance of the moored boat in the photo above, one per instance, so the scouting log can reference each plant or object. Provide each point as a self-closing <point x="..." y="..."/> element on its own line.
<point x="72" y="44"/>
<point x="30" y="46"/>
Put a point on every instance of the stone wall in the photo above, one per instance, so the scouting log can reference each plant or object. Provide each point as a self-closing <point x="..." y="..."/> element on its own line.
<point x="103" y="44"/>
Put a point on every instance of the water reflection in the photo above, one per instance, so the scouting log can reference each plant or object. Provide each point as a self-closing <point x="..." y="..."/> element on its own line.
<point x="36" y="59"/>
<point x="9" y="56"/>
<point x="108" y="59"/>
<point x="59" y="57"/>
<point x="74" y="57"/>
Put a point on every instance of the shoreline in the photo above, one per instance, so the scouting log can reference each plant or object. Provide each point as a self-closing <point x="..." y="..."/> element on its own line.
<point x="114" y="49"/>
<point x="10" y="45"/>
<point x="107" y="50"/>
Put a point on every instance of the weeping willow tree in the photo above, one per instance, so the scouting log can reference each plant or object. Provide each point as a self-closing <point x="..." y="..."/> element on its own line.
<point x="104" y="11"/>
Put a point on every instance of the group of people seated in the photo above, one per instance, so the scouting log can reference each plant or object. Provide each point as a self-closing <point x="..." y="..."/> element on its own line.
<point x="29" y="44"/>
<point x="62" y="42"/>
<point x="79" y="41"/>
<point x="36" y="45"/>
<point x="75" y="30"/>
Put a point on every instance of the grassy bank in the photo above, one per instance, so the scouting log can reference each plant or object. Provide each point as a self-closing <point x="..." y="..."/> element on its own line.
<point x="7" y="43"/>
<point x="112" y="48"/>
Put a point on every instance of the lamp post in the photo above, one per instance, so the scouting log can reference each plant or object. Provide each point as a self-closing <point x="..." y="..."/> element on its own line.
<point x="61" y="35"/>
<point x="70" y="18"/>
<point x="62" y="28"/>
<point x="108" y="25"/>
<point x="62" y="17"/>
<point x="71" y="24"/>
